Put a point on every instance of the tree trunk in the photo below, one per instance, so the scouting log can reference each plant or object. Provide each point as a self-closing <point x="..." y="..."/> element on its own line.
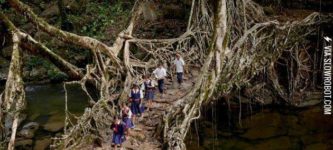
<point x="14" y="94"/>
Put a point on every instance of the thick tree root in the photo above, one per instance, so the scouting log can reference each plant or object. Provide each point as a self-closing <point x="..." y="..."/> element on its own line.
<point x="239" y="43"/>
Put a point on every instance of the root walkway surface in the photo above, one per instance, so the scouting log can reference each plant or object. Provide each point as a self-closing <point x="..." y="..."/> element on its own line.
<point x="142" y="136"/>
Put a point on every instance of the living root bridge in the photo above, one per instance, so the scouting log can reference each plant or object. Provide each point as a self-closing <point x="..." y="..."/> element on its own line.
<point x="239" y="43"/>
<point x="243" y="45"/>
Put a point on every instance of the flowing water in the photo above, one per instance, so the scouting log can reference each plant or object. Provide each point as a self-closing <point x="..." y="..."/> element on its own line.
<point x="261" y="129"/>
<point x="46" y="106"/>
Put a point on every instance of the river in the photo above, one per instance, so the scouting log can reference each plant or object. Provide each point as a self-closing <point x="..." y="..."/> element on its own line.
<point x="263" y="128"/>
<point x="46" y="106"/>
<point x="266" y="128"/>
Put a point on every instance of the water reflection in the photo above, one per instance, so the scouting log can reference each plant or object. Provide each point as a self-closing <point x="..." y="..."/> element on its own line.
<point x="267" y="129"/>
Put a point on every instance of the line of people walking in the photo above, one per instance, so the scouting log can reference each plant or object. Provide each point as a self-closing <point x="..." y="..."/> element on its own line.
<point x="129" y="113"/>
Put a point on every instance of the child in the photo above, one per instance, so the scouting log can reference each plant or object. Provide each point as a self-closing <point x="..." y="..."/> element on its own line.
<point x="135" y="97"/>
<point x="118" y="132"/>
<point x="126" y="115"/>
<point x="160" y="74"/>
<point x="149" y="87"/>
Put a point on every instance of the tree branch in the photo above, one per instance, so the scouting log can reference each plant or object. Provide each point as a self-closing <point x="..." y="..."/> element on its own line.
<point x="84" y="41"/>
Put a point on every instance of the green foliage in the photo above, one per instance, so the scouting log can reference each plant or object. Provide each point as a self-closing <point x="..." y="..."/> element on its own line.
<point x="97" y="17"/>
<point x="53" y="73"/>
<point x="34" y="62"/>
<point x="56" y="76"/>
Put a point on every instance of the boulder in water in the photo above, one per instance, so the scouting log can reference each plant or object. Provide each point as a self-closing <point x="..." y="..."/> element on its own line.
<point x="276" y="143"/>
<point x="28" y="130"/>
<point x="262" y="133"/>
<point x="42" y="144"/>
<point x="54" y="124"/>
<point x="23" y="144"/>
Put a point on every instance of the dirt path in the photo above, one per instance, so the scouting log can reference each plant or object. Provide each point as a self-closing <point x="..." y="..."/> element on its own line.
<point x="142" y="136"/>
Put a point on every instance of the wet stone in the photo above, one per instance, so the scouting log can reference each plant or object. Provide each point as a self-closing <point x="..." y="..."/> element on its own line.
<point x="262" y="133"/>
<point x="280" y="143"/>
<point x="42" y="144"/>
<point x="23" y="144"/>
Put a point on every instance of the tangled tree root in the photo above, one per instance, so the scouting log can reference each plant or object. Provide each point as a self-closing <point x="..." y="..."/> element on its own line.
<point x="231" y="46"/>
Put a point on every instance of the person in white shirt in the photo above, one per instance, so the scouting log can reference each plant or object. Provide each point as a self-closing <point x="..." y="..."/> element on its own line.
<point x="160" y="74"/>
<point x="179" y="65"/>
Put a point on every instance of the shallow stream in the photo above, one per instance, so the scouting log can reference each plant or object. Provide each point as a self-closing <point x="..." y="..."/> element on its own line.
<point x="263" y="128"/>
<point x="46" y="106"/>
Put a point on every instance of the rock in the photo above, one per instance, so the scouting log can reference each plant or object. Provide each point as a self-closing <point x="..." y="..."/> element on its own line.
<point x="28" y="130"/>
<point x="275" y="144"/>
<point x="9" y="122"/>
<point x="38" y="73"/>
<point x="54" y="124"/>
<point x="262" y="133"/>
<point x="26" y="133"/>
<point x="31" y="126"/>
<point x="23" y="144"/>
<point x="262" y="120"/>
<point x="42" y="144"/>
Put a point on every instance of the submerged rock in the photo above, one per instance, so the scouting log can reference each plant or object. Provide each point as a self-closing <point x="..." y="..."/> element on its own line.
<point x="42" y="144"/>
<point x="54" y="124"/>
<point x="262" y="120"/>
<point x="31" y="125"/>
<point x="28" y="130"/>
<point x="262" y="133"/>
<point x="280" y="143"/>
<point x="24" y="144"/>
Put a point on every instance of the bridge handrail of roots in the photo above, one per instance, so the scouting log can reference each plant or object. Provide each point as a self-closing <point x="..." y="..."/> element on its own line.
<point x="230" y="46"/>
